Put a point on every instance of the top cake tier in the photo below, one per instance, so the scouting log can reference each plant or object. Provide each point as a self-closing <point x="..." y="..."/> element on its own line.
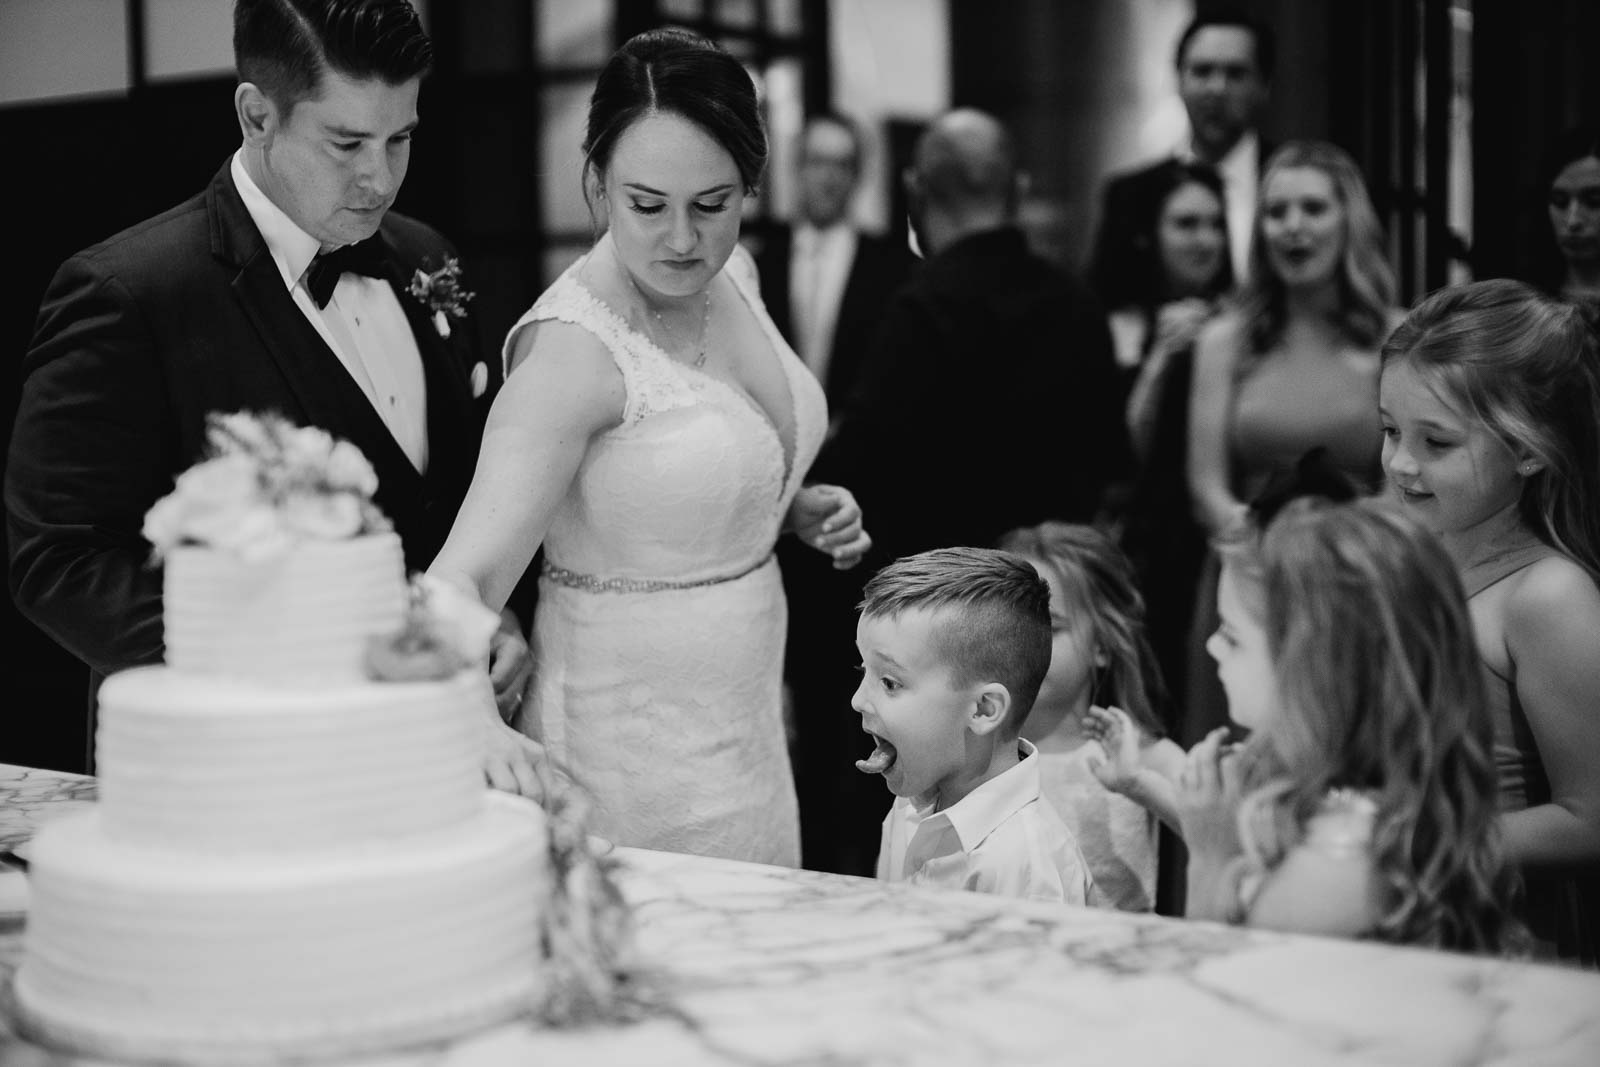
<point x="299" y="620"/>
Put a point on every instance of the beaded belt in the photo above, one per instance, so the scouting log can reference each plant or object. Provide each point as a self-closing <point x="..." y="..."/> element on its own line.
<point x="592" y="584"/>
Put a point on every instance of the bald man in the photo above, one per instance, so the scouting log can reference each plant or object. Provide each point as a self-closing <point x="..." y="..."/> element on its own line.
<point x="988" y="401"/>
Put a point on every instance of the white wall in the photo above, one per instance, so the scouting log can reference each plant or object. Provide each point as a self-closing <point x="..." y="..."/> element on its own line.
<point x="62" y="48"/>
<point x="891" y="59"/>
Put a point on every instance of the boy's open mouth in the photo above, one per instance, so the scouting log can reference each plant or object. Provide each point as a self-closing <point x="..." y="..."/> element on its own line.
<point x="882" y="758"/>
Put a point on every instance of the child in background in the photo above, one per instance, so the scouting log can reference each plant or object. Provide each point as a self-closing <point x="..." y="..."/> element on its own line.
<point x="954" y="644"/>
<point x="1100" y="655"/>
<point x="1363" y="804"/>
<point x="1490" y="399"/>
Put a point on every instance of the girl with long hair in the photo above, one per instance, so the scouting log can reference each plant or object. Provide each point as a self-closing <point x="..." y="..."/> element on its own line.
<point x="1100" y="656"/>
<point x="1490" y="402"/>
<point x="1363" y="803"/>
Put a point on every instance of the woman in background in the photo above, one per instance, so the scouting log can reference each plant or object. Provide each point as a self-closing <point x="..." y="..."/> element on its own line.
<point x="1161" y="296"/>
<point x="1570" y="267"/>
<point x="1291" y="368"/>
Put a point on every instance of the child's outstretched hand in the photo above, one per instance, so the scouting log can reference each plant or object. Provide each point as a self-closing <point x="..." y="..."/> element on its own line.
<point x="1208" y="797"/>
<point x="1118" y="770"/>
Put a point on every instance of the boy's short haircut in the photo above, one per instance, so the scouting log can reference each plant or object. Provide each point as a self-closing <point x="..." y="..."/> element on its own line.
<point x="996" y="622"/>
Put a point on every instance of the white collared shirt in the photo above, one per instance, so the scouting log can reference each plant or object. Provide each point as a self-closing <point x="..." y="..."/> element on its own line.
<point x="363" y="323"/>
<point x="1002" y="838"/>
<point x="1240" y="171"/>
<point x="819" y="265"/>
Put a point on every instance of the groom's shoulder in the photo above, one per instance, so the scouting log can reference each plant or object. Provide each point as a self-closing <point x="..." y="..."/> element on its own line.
<point x="156" y="243"/>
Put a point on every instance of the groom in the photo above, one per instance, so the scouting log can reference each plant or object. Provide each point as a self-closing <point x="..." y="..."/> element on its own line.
<point x="284" y="286"/>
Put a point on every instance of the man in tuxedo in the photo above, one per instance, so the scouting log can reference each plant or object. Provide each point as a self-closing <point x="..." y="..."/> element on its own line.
<point x="988" y="400"/>
<point x="1225" y="62"/>
<point x="823" y="281"/>
<point x="283" y="286"/>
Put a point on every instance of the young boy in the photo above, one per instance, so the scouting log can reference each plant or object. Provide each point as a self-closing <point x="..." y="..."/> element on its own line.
<point x="954" y="644"/>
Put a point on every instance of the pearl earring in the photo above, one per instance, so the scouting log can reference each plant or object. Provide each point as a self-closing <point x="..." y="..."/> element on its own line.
<point x="1527" y="469"/>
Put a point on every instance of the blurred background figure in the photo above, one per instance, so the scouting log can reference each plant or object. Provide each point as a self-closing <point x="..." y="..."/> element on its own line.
<point x="825" y="281"/>
<point x="1179" y="272"/>
<point x="1225" y="60"/>
<point x="1571" y="189"/>
<point x="989" y="400"/>
<point x="1292" y="368"/>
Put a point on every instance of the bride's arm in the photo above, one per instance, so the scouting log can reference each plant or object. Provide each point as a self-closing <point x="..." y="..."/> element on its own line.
<point x="563" y="389"/>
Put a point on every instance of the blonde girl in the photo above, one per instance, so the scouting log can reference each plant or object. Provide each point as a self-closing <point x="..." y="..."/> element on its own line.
<point x="1100" y="656"/>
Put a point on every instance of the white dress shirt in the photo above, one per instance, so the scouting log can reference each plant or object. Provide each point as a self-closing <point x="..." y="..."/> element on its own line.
<point x="819" y="265"/>
<point x="1240" y="171"/>
<point x="1002" y="838"/>
<point x="363" y="323"/>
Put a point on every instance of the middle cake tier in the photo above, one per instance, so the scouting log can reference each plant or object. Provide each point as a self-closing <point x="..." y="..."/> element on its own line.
<point x="194" y="761"/>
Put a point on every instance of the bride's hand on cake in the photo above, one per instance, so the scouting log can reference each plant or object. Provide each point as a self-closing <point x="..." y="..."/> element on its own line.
<point x="509" y="758"/>
<point x="510" y="665"/>
<point x="827" y="518"/>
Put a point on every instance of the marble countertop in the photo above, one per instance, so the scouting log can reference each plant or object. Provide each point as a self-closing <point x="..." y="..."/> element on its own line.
<point x="768" y="966"/>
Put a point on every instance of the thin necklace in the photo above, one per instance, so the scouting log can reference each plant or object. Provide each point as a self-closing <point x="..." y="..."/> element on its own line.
<point x="699" y="360"/>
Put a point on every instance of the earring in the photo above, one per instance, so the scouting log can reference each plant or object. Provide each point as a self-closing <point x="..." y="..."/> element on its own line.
<point x="1527" y="468"/>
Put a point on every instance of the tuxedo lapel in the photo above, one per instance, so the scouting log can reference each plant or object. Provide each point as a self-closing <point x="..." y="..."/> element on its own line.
<point x="317" y="378"/>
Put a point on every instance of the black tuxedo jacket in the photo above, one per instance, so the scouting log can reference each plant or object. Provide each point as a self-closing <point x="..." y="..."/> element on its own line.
<point x="138" y="339"/>
<point x="880" y="265"/>
<point x="990" y="401"/>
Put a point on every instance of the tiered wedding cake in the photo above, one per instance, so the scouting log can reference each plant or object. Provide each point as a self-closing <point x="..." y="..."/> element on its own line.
<point x="288" y="859"/>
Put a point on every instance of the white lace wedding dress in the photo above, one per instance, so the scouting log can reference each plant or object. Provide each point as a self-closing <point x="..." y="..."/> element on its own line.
<point x="659" y="634"/>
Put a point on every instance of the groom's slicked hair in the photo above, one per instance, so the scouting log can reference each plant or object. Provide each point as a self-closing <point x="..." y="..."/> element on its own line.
<point x="283" y="47"/>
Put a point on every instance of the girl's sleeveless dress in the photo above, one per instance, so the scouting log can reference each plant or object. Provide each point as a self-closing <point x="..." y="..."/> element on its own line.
<point x="1562" y="910"/>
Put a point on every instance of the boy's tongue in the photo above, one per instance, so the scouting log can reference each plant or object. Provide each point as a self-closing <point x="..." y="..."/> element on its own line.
<point x="882" y="758"/>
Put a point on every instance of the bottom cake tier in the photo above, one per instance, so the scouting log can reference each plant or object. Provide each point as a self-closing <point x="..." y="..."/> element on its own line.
<point x="134" y="952"/>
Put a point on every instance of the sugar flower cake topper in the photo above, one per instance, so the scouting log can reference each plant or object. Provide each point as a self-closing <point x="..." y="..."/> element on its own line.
<point x="265" y="486"/>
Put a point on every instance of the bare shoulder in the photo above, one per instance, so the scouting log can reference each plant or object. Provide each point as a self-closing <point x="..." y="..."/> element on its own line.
<point x="563" y="364"/>
<point x="1551" y="597"/>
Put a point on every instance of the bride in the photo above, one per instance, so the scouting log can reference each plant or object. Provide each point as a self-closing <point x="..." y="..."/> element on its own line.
<point x="653" y="434"/>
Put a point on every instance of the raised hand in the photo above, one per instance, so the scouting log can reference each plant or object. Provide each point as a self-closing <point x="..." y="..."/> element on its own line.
<point x="1208" y="797"/>
<point x="1118" y="769"/>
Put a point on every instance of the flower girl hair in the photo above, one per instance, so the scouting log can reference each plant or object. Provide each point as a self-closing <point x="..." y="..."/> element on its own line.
<point x="1379" y="692"/>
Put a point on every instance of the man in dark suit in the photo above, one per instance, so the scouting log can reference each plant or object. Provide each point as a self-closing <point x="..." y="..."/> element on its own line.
<point x="824" y="282"/>
<point x="284" y="286"/>
<point x="988" y="401"/>
<point x="1224" y="61"/>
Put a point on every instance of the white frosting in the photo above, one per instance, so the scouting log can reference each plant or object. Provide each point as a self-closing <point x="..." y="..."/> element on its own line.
<point x="196" y="762"/>
<point x="152" y="953"/>
<point x="287" y="859"/>
<point x="302" y="620"/>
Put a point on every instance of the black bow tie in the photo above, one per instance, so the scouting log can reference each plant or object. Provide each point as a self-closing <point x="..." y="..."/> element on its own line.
<point x="364" y="257"/>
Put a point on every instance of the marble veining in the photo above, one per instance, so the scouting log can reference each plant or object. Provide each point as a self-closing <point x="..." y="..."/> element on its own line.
<point x="767" y="966"/>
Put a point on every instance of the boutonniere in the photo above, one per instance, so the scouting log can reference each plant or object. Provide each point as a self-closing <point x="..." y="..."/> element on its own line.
<point x="441" y="293"/>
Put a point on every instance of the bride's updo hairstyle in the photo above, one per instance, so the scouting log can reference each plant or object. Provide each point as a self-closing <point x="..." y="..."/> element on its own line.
<point x="673" y="70"/>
